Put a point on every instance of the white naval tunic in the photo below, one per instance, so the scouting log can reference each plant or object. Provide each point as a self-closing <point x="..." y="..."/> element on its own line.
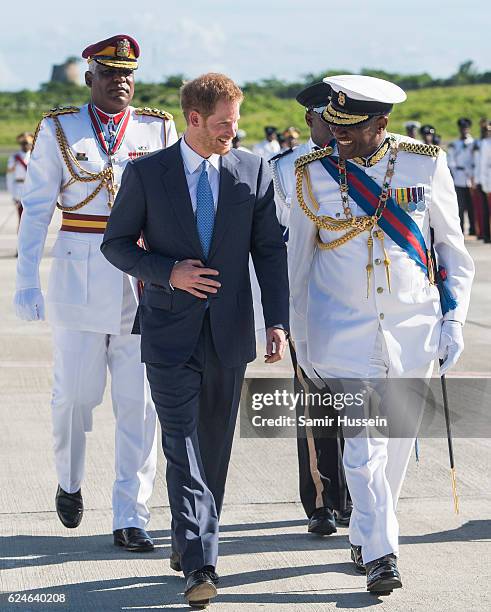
<point x="332" y="315"/>
<point x="85" y="291"/>
<point x="91" y="306"/>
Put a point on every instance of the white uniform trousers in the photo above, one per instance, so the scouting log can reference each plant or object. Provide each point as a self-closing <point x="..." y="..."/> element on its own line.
<point x="375" y="469"/>
<point x="81" y="360"/>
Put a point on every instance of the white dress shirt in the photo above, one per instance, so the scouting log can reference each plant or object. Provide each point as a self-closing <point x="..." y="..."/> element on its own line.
<point x="192" y="170"/>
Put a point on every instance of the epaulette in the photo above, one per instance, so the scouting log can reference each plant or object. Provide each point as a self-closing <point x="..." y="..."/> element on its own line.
<point x="154" y="112"/>
<point x="54" y="112"/>
<point x="61" y="110"/>
<point x="308" y="158"/>
<point x="420" y="148"/>
<point x="280" y="155"/>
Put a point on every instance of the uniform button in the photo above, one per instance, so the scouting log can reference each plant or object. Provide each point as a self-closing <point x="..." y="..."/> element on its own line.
<point x="380" y="290"/>
<point x="381" y="315"/>
<point x="378" y="261"/>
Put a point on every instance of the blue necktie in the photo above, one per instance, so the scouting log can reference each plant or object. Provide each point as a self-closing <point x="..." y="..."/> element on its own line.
<point x="205" y="209"/>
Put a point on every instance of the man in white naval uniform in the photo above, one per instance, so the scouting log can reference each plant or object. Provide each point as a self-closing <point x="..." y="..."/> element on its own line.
<point x="17" y="169"/>
<point x="364" y="305"/>
<point x="322" y="484"/>
<point x="77" y="162"/>
<point x="460" y="159"/>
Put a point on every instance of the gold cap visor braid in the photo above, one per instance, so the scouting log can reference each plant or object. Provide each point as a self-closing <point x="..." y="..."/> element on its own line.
<point x="115" y="63"/>
<point x="331" y="115"/>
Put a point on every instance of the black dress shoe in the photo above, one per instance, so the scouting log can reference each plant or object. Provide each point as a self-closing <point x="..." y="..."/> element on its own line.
<point x="343" y="516"/>
<point x="133" y="539"/>
<point x="357" y="559"/>
<point x="69" y="507"/>
<point x="199" y="588"/>
<point x="383" y="575"/>
<point x="175" y="564"/>
<point x="322" y="522"/>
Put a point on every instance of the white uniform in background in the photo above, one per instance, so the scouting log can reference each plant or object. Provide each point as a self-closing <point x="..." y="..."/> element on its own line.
<point x="341" y="333"/>
<point x="485" y="165"/>
<point x="460" y="158"/>
<point x="91" y="305"/>
<point x="16" y="173"/>
<point x="266" y="148"/>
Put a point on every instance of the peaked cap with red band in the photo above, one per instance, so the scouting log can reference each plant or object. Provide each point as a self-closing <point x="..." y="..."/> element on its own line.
<point x="120" y="51"/>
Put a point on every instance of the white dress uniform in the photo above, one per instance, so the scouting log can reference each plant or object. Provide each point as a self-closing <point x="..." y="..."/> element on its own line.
<point x="340" y="332"/>
<point x="460" y="158"/>
<point x="266" y="148"/>
<point x="16" y="173"/>
<point x="91" y="305"/>
<point x="485" y="164"/>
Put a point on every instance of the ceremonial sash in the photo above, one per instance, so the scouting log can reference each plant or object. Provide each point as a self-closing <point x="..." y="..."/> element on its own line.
<point x="113" y="146"/>
<point x="19" y="159"/>
<point x="395" y="222"/>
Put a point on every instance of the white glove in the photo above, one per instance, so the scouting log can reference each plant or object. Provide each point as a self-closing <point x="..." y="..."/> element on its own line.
<point x="451" y="345"/>
<point x="29" y="304"/>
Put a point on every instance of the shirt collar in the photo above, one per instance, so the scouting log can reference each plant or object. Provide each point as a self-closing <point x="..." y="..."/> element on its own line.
<point x="104" y="117"/>
<point x="193" y="160"/>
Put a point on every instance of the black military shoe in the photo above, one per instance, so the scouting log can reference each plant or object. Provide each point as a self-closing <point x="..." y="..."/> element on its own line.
<point x="383" y="575"/>
<point x="175" y="564"/>
<point x="357" y="559"/>
<point x="322" y="522"/>
<point x="69" y="507"/>
<point x="133" y="539"/>
<point x="343" y="516"/>
<point x="199" y="588"/>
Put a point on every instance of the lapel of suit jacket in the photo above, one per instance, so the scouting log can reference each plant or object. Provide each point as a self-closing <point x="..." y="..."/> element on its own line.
<point x="228" y="179"/>
<point x="176" y="187"/>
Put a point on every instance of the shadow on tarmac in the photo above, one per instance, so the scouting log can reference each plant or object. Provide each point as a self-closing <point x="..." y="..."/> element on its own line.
<point x="142" y="592"/>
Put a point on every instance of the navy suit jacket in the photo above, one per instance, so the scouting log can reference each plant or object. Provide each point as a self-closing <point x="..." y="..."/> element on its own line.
<point x="154" y="202"/>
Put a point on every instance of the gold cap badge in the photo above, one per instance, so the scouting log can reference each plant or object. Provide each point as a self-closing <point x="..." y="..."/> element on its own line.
<point x="123" y="48"/>
<point x="341" y="99"/>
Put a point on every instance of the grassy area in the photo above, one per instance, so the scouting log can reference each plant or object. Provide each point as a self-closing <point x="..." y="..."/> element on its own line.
<point x="439" y="106"/>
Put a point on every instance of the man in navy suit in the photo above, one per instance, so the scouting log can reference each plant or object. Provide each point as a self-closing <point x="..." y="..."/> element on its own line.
<point x="201" y="208"/>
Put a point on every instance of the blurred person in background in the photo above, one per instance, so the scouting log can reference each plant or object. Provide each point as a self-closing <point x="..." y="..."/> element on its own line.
<point x="461" y="163"/>
<point x="412" y="128"/>
<point x="485" y="169"/>
<point x="17" y="169"/>
<point x="478" y="195"/>
<point x="270" y="146"/>
<point x="237" y="141"/>
<point x="291" y="136"/>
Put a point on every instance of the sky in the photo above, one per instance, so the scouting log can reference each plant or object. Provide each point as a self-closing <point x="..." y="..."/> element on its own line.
<point x="248" y="39"/>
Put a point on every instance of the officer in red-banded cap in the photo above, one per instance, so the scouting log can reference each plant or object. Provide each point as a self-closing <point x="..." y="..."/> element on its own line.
<point x="77" y="161"/>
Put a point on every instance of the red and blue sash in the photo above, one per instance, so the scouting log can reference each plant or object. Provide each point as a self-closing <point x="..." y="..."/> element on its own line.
<point x="395" y="222"/>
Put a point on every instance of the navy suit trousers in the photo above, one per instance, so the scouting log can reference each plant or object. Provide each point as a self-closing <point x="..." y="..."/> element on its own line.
<point x="197" y="405"/>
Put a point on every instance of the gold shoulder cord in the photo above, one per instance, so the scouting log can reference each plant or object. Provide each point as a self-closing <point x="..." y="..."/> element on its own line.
<point x="105" y="177"/>
<point x="353" y="226"/>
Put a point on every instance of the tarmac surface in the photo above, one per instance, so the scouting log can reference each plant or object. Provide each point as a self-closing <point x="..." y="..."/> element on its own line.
<point x="268" y="561"/>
